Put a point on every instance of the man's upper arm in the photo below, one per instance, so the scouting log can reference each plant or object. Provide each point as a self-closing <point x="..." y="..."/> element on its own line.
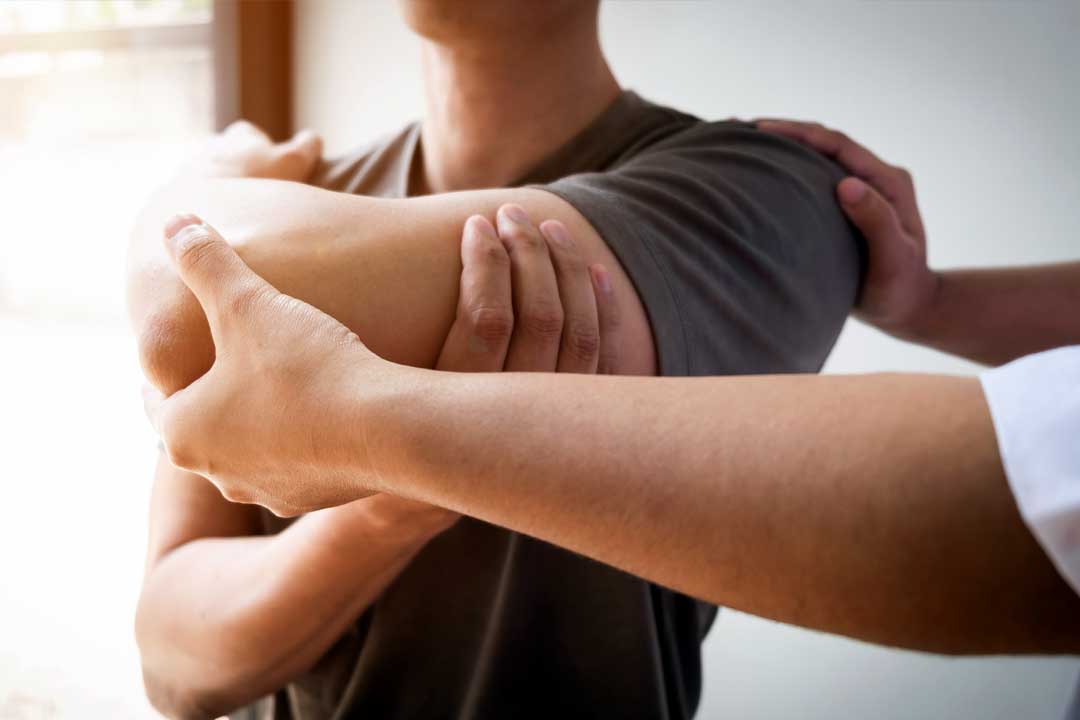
<point x="728" y="238"/>
<point x="734" y="242"/>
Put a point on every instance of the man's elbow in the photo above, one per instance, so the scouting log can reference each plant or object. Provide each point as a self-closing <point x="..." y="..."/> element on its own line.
<point x="201" y="686"/>
<point x="175" y="348"/>
<point x="178" y="703"/>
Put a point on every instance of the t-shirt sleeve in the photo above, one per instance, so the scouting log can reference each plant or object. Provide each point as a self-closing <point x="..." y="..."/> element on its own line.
<point x="734" y="241"/>
<point x="1035" y="405"/>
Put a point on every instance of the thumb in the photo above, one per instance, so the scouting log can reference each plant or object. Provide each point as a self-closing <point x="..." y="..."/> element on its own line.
<point x="222" y="283"/>
<point x="303" y="150"/>
<point x="876" y="219"/>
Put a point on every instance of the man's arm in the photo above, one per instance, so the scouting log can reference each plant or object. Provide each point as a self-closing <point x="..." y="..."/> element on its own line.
<point x="228" y="615"/>
<point x="387" y="269"/>
<point x="991" y="316"/>
<point x="873" y="506"/>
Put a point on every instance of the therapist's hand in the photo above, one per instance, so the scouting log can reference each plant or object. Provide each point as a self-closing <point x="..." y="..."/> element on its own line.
<point x="900" y="289"/>
<point x="271" y="422"/>
<point x="539" y="270"/>
<point x="280" y="418"/>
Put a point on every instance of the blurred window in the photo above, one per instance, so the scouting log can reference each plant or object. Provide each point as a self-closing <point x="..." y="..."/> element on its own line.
<point x="99" y="102"/>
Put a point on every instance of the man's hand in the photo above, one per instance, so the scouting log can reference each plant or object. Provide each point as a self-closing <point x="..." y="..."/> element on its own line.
<point x="900" y="289"/>
<point x="268" y="422"/>
<point x="243" y="150"/>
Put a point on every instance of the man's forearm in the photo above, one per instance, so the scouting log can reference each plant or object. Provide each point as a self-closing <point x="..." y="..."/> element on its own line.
<point x="224" y="621"/>
<point x="872" y="506"/>
<point x="994" y="316"/>
<point x="387" y="269"/>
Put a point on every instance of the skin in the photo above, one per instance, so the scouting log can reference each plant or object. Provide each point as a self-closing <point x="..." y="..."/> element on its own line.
<point x="277" y="604"/>
<point x="227" y="614"/>
<point x="990" y="316"/>
<point x="873" y="506"/>
<point x="198" y="651"/>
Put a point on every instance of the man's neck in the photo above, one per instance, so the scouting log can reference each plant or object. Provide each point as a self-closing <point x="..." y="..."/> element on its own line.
<point x="493" y="113"/>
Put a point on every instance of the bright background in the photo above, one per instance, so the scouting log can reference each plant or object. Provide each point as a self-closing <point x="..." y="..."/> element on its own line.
<point x="978" y="99"/>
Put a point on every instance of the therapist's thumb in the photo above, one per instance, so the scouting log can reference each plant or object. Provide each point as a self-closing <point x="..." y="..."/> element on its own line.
<point x="223" y="284"/>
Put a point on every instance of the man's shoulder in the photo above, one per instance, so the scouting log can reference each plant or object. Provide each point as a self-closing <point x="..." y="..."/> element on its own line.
<point x="734" y="139"/>
<point x="379" y="167"/>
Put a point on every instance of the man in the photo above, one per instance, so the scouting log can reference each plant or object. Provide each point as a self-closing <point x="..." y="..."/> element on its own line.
<point x="786" y="496"/>
<point x="727" y="255"/>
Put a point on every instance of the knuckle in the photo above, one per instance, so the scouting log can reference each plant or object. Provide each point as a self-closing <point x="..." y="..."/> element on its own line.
<point x="582" y="340"/>
<point x="494" y="324"/>
<point x="179" y="452"/>
<point x="829" y="140"/>
<point x="195" y="248"/>
<point x="242" y="301"/>
<point x="235" y="494"/>
<point x="287" y="510"/>
<point x="522" y="239"/>
<point x="493" y="254"/>
<point x="570" y="262"/>
<point x="543" y="320"/>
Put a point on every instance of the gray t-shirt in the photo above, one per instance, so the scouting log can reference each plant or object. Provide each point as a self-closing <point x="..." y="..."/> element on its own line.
<point x="744" y="264"/>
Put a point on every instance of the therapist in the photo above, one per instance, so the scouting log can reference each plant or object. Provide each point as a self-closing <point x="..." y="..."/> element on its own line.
<point x="875" y="506"/>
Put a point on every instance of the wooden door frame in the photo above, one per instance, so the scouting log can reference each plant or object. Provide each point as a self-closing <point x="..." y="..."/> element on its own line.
<point x="252" y="44"/>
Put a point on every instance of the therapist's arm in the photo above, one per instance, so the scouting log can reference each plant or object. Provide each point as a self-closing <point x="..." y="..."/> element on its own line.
<point x="990" y="316"/>
<point x="872" y="506"/>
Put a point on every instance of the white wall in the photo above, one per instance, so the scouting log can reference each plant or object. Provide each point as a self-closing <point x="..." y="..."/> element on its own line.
<point x="979" y="99"/>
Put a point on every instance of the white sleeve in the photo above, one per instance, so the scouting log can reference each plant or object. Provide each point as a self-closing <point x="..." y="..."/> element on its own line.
<point x="1035" y="405"/>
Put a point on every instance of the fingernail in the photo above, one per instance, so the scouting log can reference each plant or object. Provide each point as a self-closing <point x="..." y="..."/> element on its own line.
<point x="515" y="213"/>
<point x="602" y="279"/>
<point x="184" y="235"/>
<point x="556" y="233"/>
<point x="480" y="224"/>
<point x="178" y="222"/>
<point x="851" y="190"/>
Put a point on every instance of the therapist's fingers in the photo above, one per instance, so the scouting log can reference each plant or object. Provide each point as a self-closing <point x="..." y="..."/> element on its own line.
<point x="175" y="419"/>
<point x="579" y="349"/>
<point x="894" y="183"/>
<point x="610" y="320"/>
<point x="480" y="336"/>
<point x="226" y="288"/>
<point x="892" y="250"/>
<point x="166" y="417"/>
<point x="538" y="314"/>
